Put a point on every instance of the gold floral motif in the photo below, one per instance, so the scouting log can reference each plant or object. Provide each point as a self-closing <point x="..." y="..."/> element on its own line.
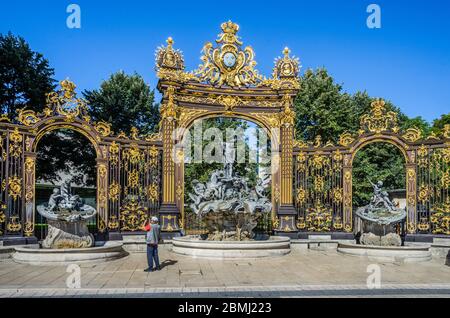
<point x="114" y="151"/>
<point x="229" y="102"/>
<point x="379" y="119"/>
<point x="187" y="114"/>
<point x="319" y="161"/>
<point x="440" y="218"/>
<point x="66" y="104"/>
<point x="132" y="215"/>
<point x="424" y="193"/>
<point x="411" y="227"/>
<point x="287" y="116"/>
<point x="169" y="109"/>
<point x="153" y="192"/>
<point x="103" y="128"/>
<point x="445" y="179"/>
<point x="337" y="195"/>
<point x="318" y="218"/>
<point x="271" y="120"/>
<point x="101" y="225"/>
<point x="446" y="131"/>
<point x="113" y="223"/>
<point x="133" y="179"/>
<point x="337" y="223"/>
<point x="348" y="228"/>
<point x="423" y="225"/>
<point x="114" y="191"/>
<point x="412" y="134"/>
<point x="15" y="148"/>
<point x="27" y="117"/>
<point x="301" y="223"/>
<point x="154" y="156"/>
<point x="4" y="117"/>
<point x="319" y="184"/>
<point x="14" y="224"/>
<point x="300" y="144"/>
<point x="133" y="154"/>
<point x="134" y="133"/>
<point x="29" y="164"/>
<point x="422" y="156"/>
<point x="346" y="139"/>
<point x="28" y="229"/>
<point x="153" y="137"/>
<point x="15" y="187"/>
<point x="102" y="170"/>
<point x="301" y="196"/>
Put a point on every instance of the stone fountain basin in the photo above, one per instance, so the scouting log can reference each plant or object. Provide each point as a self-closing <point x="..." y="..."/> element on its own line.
<point x="404" y="254"/>
<point x="195" y="247"/>
<point x="110" y="250"/>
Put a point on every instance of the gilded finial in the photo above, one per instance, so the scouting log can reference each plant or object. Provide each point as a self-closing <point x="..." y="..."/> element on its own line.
<point x="68" y="87"/>
<point x="229" y="27"/>
<point x="286" y="51"/>
<point x="169" y="41"/>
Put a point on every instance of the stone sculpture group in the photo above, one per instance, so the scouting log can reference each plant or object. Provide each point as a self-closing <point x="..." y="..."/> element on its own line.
<point x="229" y="207"/>
<point x="66" y="216"/>
<point x="379" y="219"/>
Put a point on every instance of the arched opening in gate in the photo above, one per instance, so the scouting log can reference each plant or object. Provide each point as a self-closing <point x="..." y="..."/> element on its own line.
<point x="226" y="159"/>
<point x="64" y="155"/>
<point x="379" y="161"/>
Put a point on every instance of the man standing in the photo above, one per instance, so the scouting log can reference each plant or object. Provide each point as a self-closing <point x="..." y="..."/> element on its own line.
<point x="153" y="236"/>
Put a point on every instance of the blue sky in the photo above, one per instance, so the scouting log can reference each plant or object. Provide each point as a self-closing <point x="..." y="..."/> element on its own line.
<point x="406" y="61"/>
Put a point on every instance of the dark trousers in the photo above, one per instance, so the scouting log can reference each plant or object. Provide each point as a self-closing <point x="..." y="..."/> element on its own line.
<point x="152" y="254"/>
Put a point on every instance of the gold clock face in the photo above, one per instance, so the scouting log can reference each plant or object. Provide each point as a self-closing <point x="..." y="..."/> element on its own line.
<point x="229" y="59"/>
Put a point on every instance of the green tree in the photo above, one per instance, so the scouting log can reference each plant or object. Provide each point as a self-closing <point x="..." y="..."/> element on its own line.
<point x="66" y="152"/>
<point x="438" y="124"/>
<point x="25" y="76"/>
<point x="124" y="101"/>
<point x="322" y="108"/>
<point x="377" y="161"/>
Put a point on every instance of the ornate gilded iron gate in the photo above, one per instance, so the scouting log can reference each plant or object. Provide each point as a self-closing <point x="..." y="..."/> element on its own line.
<point x="128" y="167"/>
<point x="323" y="176"/>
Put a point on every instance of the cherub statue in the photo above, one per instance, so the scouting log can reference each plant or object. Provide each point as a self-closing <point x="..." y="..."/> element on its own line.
<point x="380" y="197"/>
<point x="54" y="199"/>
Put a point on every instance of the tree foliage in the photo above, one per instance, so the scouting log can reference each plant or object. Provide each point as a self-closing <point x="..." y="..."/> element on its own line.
<point x="125" y="101"/>
<point x="66" y="152"/>
<point x="25" y="76"/>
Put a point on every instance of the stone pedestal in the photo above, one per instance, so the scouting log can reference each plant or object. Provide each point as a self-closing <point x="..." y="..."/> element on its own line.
<point x="62" y="234"/>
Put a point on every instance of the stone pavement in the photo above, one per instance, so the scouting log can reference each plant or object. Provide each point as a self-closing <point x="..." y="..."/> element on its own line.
<point x="299" y="274"/>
